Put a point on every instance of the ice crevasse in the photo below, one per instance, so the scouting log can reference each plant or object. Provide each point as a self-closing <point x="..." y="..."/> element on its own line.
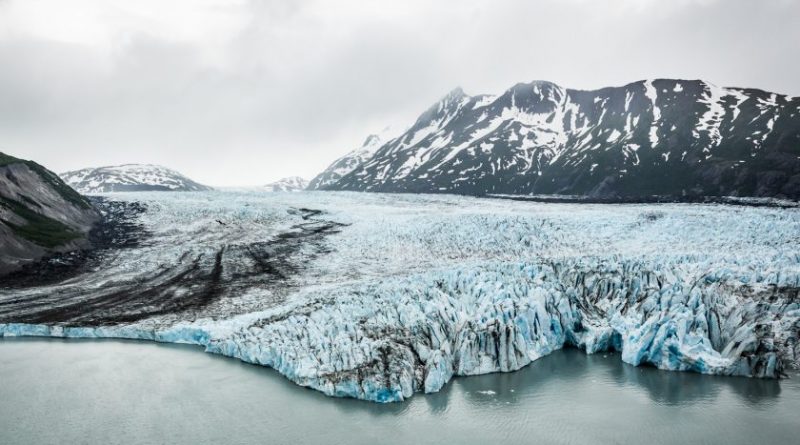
<point x="385" y="341"/>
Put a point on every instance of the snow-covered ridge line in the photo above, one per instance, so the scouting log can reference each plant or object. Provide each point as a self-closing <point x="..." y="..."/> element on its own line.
<point x="129" y="177"/>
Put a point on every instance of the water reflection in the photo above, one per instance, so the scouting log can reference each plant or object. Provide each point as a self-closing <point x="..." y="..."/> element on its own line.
<point x="559" y="368"/>
<point x="90" y="391"/>
<point x="571" y="365"/>
<point x="682" y="388"/>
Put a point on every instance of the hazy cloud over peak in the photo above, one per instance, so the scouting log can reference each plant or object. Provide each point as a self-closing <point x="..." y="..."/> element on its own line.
<point x="246" y="92"/>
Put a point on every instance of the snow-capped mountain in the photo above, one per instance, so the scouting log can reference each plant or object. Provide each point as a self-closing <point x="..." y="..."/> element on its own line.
<point x="130" y="178"/>
<point x="290" y="184"/>
<point x="653" y="137"/>
<point x="352" y="160"/>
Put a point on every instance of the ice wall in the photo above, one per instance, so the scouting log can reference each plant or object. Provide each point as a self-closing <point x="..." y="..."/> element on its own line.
<point x="385" y="342"/>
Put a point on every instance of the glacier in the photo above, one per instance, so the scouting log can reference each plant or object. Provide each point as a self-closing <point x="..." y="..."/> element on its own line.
<point x="409" y="291"/>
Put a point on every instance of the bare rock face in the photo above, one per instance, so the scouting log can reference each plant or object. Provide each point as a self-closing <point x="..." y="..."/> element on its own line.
<point x="39" y="214"/>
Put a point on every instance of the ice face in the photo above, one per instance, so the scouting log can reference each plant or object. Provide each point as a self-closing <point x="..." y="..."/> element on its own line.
<point x="417" y="289"/>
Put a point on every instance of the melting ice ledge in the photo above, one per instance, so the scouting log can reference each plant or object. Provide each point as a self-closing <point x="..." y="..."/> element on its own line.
<point x="414" y="334"/>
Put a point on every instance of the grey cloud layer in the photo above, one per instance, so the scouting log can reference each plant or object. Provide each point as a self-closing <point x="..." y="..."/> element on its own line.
<point x="289" y="86"/>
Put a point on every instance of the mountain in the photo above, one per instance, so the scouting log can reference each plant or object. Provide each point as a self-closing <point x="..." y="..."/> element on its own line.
<point x="352" y="160"/>
<point x="130" y="178"/>
<point x="39" y="213"/>
<point x="664" y="137"/>
<point x="290" y="184"/>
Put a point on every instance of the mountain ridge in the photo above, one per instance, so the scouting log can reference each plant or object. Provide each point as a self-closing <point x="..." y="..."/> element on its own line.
<point x="670" y="137"/>
<point x="287" y="184"/>
<point x="347" y="163"/>
<point x="128" y="178"/>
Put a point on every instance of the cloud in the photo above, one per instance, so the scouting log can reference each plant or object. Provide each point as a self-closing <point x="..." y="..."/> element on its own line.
<point x="244" y="92"/>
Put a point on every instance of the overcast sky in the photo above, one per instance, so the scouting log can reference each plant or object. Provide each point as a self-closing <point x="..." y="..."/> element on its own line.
<point x="246" y="92"/>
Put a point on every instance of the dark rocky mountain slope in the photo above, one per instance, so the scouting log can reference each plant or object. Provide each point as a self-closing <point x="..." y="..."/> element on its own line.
<point x="39" y="214"/>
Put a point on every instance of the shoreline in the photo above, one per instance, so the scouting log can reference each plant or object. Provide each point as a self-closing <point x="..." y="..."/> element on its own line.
<point x="726" y="200"/>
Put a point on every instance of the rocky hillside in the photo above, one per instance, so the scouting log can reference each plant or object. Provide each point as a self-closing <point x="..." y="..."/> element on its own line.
<point x="679" y="138"/>
<point x="290" y="184"/>
<point x="130" y="178"/>
<point x="39" y="213"/>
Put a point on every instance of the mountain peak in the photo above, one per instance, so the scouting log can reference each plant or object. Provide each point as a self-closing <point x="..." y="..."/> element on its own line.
<point x="355" y="158"/>
<point x="453" y="98"/>
<point x="288" y="184"/>
<point x="371" y="139"/>
<point x="533" y="95"/>
<point x="456" y="93"/>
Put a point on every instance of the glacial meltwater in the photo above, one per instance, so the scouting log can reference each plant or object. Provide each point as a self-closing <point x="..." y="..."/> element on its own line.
<point x="75" y="391"/>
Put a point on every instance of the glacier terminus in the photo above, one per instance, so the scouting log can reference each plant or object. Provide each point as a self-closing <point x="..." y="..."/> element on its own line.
<point x="381" y="296"/>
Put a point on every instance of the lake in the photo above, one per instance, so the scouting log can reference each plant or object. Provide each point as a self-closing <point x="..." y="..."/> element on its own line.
<point x="75" y="391"/>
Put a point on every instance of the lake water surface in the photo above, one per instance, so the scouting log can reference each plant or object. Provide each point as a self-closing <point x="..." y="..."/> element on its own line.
<point x="68" y="391"/>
